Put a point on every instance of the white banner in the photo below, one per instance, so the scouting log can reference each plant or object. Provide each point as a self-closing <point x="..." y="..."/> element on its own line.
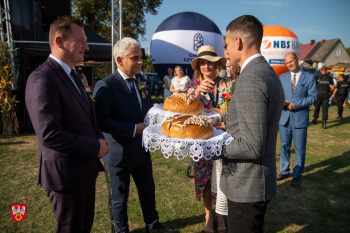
<point x="274" y="48"/>
<point x="181" y="46"/>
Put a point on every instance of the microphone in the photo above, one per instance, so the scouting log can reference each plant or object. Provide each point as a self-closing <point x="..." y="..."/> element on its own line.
<point x="222" y="74"/>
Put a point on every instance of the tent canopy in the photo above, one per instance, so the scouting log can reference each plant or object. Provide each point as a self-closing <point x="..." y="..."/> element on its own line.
<point x="28" y="25"/>
<point x="96" y="52"/>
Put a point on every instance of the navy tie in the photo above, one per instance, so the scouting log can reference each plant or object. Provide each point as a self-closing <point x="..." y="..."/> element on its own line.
<point x="133" y="91"/>
<point x="80" y="87"/>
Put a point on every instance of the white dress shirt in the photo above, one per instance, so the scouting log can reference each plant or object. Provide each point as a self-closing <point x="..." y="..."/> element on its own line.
<point x="245" y="63"/>
<point x="297" y="77"/>
<point x="125" y="77"/>
<point x="66" y="69"/>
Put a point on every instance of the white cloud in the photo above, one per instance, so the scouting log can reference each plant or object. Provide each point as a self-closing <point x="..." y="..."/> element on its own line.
<point x="272" y="17"/>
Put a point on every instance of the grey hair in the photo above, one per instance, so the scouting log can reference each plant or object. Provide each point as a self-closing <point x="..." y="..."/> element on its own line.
<point x="121" y="48"/>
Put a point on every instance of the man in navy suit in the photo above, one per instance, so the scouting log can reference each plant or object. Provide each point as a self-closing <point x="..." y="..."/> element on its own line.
<point x="121" y="108"/>
<point x="70" y="144"/>
<point x="300" y="91"/>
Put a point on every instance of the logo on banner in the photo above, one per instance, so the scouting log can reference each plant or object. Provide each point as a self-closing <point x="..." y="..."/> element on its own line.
<point x="18" y="212"/>
<point x="276" y="61"/>
<point x="265" y="44"/>
<point x="197" y="41"/>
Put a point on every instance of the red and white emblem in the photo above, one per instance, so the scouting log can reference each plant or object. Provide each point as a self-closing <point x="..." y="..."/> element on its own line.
<point x="18" y="212"/>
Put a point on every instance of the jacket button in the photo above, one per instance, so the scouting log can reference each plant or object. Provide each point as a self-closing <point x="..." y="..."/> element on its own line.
<point x="292" y="98"/>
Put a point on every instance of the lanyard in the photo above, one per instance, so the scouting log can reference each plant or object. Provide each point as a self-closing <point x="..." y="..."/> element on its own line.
<point x="216" y="101"/>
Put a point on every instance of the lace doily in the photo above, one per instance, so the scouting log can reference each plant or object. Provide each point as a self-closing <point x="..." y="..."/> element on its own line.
<point x="157" y="115"/>
<point x="154" y="139"/>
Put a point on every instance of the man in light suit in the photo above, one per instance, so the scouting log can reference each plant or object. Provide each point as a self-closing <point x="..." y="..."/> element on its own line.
<point x="249" y="162"/>
<point x="300" y="91"/>
<point x="70" y="143"/>
<point x="121" y="109"/>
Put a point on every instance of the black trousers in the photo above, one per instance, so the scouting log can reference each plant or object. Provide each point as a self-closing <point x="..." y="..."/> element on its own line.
<point x="120" y="183"/>
<point x="246" y="217"/>
<point x="322" y="99"/>
<point x="74" y="209"/>
<point x="340" y="101"/>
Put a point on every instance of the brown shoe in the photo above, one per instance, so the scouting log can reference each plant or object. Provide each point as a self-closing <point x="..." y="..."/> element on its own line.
<point x="282" y="177"/>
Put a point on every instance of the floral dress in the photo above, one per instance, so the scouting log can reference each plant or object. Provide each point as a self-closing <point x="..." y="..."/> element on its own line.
<point x="203" y="168"/>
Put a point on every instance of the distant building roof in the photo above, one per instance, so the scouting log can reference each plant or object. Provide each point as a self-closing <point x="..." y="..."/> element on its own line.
<point x="306" y="49"/>
<point x="313" y="51"/>
<point x="324" y="50"/>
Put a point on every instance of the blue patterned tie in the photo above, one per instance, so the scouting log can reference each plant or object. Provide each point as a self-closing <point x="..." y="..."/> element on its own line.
<point x="294" y="82"/>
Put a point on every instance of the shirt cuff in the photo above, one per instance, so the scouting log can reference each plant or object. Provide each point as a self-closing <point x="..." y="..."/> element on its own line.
<point x="134" y="132"/>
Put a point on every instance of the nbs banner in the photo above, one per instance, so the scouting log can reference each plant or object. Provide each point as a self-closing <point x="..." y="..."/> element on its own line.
<point x="276" y="44"/>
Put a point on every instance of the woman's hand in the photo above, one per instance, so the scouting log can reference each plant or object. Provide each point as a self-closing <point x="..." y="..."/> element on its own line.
<point x="220" y="125"/>
<point x="206" y="86"/>
<point x="216" y="110"/>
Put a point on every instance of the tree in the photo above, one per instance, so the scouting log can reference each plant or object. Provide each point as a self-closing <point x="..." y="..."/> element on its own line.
<point x="97" y="16"/>
<point x="348" y="50"/>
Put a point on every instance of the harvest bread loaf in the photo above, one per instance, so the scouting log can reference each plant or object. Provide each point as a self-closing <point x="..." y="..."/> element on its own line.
<point x="187" y="126"/>
<point x="183" y="103"/>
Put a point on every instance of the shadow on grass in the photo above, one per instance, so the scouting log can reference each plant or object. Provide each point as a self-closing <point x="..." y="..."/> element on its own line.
<point x="322" y="198"/>
<point x="12" y="143"/>
<point x="344" y="121"/>
<point x="177" y="223"/>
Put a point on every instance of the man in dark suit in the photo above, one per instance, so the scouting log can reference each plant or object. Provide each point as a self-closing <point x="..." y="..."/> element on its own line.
<point x="300" y="92"/>
<point x="248" y="176"/>
<point x="121" y="108"/>
<point x="70" y="143"/>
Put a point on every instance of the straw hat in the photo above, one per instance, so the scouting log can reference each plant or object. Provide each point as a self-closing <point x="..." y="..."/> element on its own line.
<point x="209" y="53"/>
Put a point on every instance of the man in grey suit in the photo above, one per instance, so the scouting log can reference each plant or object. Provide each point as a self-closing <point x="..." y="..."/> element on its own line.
<point x="248" y="176"/>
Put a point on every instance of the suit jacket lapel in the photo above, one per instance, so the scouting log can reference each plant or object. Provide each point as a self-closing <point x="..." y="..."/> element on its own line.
<point x="68" y="82"/>
<point x="300" y="81"/>
<point x="288" y="85"/>
<point x="126" y="92"/>
<point x="93" y="111"/>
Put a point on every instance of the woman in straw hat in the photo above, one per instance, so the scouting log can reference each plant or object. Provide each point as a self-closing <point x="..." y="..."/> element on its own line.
<point x="206" y="67"/>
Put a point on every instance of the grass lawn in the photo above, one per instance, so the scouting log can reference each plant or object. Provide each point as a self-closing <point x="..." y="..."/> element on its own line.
<point x="320" y="204"/>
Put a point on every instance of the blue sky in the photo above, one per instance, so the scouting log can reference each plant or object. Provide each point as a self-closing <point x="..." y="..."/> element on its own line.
<point x="308" y="19"/>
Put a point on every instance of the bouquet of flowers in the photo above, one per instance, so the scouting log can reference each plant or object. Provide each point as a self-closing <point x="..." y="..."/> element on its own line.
<point x="227" y="96"/>
<point x="88" y="89"/>
<point x="142" y="87"/>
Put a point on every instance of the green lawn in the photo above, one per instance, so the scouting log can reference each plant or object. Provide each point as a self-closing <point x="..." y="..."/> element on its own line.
<point x="320" y="204"/>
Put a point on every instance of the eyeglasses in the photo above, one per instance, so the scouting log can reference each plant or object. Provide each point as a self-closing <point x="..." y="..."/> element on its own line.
<point x="290" y="62"/>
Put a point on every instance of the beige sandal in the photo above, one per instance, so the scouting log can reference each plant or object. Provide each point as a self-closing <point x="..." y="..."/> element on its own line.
<point x="221" y="229"/>
<point x="208" y="230"/>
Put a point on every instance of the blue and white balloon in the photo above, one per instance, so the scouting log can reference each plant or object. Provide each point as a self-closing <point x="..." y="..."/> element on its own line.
<point x="178" y="38"/>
